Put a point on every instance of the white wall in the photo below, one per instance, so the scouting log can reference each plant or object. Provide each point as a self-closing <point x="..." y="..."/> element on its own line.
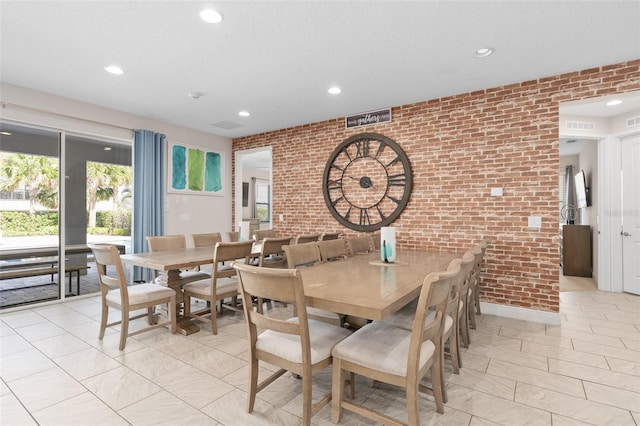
<point x="184" y="214"/>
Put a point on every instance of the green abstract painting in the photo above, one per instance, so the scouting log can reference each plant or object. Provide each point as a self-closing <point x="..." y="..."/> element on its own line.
<point x="194" y="170"/>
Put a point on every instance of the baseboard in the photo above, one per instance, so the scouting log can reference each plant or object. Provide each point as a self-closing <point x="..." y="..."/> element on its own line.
<point x="550" y="318"/>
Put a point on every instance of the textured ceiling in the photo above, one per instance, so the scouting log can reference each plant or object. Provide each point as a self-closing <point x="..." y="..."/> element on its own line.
<point x="277" y="59"/>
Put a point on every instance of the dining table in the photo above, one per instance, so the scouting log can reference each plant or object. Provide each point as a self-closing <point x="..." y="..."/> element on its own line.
<point x="362" y="285"/>
<point x="365" y="286"/>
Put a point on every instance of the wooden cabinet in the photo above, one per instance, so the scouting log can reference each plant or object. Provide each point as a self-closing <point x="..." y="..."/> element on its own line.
<point x="576" y="250"/>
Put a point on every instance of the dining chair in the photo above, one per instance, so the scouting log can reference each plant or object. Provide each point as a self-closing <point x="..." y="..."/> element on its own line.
<point x="172" y="242"/>
<point x="272" y="255"/>
<point x="473" y="287"/>
<point x="333" y="250"/>
<point x="376" y="241"/>
<point x="300" y="345"/>
<point x="301" y="239"/>
<point x="222" y="283"/>
<point x="116" y="294"/>
<point x="476" y="296"/>
<point x="330" y="236"/>
<point x="467" y="266"/>
<point x="359" y="245"/>
<point x="390" y="354"/>
<point x="206" y="240"/>
<point x="261" y="234"/>
<point x="405" y="318"/>
<point x="304" y="255"/>
<point x="233" y="236"/>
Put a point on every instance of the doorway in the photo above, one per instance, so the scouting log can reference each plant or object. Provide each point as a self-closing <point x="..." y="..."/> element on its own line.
<point x="609" y="124"/>
<point x="253" y="178"/>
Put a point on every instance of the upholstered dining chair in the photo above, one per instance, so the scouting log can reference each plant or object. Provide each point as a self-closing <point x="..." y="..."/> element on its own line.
<point x="389" y="354"/>
<point x="358" y="245"/>
<point x="261" y="234"/>
<point x="330" y="236"/>
<point x="333" y="249"/>
<point x="299" y="345"/>
<point x="222" y="283"/>
<point x="473" y="287"/>
<point x="376" y="241"/>
<point x="304" y="255"/>
<point x="405" y="318"/>
<point x="206" y="240"/>
<point x="467" y="266"/>
<point x="301" y="239"/>
<point x="272" y="255"/>
<point x="171" y="242"/>
<point x="116" y="294"/>
<point x="233" y="236"/>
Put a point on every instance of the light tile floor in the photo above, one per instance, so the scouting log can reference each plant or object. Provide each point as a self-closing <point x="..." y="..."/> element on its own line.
<point x="55" y="371"/>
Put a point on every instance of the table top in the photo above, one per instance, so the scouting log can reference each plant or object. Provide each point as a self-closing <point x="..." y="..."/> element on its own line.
<point x="168" y="260"/>
<point x="363" y="286"/>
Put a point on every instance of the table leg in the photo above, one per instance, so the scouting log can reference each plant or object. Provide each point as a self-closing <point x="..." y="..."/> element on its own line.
<point x="184" y="325"/>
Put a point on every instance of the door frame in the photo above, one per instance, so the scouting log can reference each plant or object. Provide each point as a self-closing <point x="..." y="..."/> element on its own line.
<point x="239" y="172"/>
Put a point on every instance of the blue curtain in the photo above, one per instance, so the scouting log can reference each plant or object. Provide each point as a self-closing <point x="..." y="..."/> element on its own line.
<point x="148" y="193"/>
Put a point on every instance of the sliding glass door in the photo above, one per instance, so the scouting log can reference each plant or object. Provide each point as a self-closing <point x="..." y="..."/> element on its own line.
<point x="47" y="218"/>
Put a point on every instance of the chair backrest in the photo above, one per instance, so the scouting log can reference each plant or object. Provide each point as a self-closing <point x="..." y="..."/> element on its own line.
<point x="333" y="249"/>
<point x="362" y="244"/>
<point x="276" y="284"/>
<point x="206" y="240"/>
<point x="229" y="251"/>
<point x="272" y="254"/>
<point x="457" y="284"/>
<point x="261" y="234"/>
<point x="477" y="265"/>
<point x="301" y="239"/>
<point x="305" y="254"/>
<point x="466" y="264"/>
<point x="166" y="242"/>
<point x="108" y="255"/>
<point x="233" y="236"/>
<point x="430" y="313"/>
<point x="330" y="236"/>
<point x="376" y="241"/>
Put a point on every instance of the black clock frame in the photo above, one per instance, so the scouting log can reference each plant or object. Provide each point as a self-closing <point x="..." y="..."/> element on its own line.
<point x="365" y="182"/>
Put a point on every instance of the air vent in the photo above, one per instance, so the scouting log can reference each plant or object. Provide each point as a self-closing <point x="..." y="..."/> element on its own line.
<point x="580" y="125"/>
<point x="633" y="121"/>
<point x="227" y="125"/>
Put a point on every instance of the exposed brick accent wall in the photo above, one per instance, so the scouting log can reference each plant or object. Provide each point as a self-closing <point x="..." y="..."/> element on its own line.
<point x="460" y="147"/>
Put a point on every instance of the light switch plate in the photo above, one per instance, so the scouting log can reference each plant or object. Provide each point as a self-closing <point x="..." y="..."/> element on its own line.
<point x="535" y="222"/>
<point x="496" y="192"/>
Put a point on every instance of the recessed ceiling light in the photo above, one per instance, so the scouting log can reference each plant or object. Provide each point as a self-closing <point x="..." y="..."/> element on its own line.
<point x="211" y="16"/>
<point x="114" y="69"/>
<point x="107" y="148"/>
<point x="244" y="113"/>
<point x="335" y="90"/>
<point x="484" y="52"/>
<point x="614" y="102"/>
<point x="194" y="95"/>
<point x="5" y="133"/>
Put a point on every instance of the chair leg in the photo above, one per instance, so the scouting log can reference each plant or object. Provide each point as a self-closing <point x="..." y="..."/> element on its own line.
<point x="124" y="329"/>
<point x="476" y="298"/>
<point x="306" y="400"/>
<point x="171" y="310"/>
<point x="412" y="401"/>
<point x="214" y="317"/>
<point x="103" y="321"/>
<point x="253" y="383"/>
<point x="150" y="316"/>
<point x="437" y="385"/>
<point x="337" y="391"/>
<point x="463" y="321"/>
<point x="472" y="315"/>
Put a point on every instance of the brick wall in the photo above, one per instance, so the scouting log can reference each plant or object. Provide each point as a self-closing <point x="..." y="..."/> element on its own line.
<point x="460" y="147"/>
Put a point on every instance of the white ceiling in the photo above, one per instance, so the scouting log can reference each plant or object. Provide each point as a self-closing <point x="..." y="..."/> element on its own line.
<point x="277" y="59"/>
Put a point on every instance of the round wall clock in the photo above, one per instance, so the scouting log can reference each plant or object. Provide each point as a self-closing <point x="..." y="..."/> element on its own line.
<point x="367" y="182"/>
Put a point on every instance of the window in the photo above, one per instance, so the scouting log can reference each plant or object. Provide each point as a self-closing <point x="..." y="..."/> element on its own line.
<point x="263" y="201"/>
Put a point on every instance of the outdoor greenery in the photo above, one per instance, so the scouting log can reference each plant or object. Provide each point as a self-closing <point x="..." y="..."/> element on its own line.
<point x="39" y="177"/>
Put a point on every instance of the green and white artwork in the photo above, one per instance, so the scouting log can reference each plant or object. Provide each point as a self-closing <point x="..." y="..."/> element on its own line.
<point x="195" y="170"/>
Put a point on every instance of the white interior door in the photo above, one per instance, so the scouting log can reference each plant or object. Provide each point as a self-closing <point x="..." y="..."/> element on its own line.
<point x="631" y="214"/>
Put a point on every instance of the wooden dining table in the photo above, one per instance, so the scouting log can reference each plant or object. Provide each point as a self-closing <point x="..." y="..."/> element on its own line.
<point x="366" y="287"/>
<point x="362" y="285"/>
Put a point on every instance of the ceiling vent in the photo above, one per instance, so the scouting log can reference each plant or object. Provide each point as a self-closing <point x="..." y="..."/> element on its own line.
<point x="227" y="125"/>
<point x="580" y="125"/>
<point x="633" y="121"/>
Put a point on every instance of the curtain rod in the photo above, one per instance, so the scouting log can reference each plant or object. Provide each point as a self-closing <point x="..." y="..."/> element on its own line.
<point x="58" y="114"/>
